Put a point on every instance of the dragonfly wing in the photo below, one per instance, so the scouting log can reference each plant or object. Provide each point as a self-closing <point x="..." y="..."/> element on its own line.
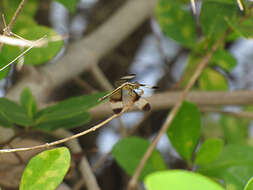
<point x="116" y="101"/>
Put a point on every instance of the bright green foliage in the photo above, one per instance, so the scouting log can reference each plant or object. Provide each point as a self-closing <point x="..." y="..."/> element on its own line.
<point x="41" y="55"/>
<point x="28" y="102"/>
<point x="208" y="151"/>
<point x="214" y="14"/>
<point x="234" y="165"/>
<point x="14" y="113"/>
<point x="70" y="113"/>
<point x="4" y="121"/>
<point x="249" y="185"/>
<point x="23" y="21"/>
<point x="243" y="28"/>
<point x="209" y="79"/>
<point x="7" y="54"/>
<point x="9" y="8"/>
<point x="71" y="5"/>
<point x="176" y="22"/>
<point x="67" y="114"/>
<point x="46" y="170"/>
<point x="179" y="180"/>
<point x="235" y="129"/>
<point x="129" y="151"/>
<point x="3" y="62"/>
<point x="224" y="60"/>
<point x="212" y="80"/>
<point x="184" y="131"/>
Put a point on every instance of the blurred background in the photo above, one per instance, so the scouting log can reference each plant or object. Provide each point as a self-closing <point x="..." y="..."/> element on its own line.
<point x="154" y="57"/>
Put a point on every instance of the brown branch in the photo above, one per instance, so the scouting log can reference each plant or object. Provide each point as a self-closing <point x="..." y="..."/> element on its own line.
<point x="166" y="100"/>
<point x="7" y="30"/>
<point x="204" y="62"/>
<point x="47" y="145"/>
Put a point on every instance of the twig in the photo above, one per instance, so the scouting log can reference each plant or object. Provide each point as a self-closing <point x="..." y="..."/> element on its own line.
<point x="166" y="100"/>
<point x="15" y="16"/>
<point x="47" y="145"/>
<point x="84" y="84"/>
<point x="23" y="53"/>
<point x="99" y="163"/>
<point x="101" y="78"/>
<point x="240" y="4"/>
<point x="88" y="177"/>
<point x="204" y="62"/>
<point x="7" y="30"/>
<point x="193" y="6"/>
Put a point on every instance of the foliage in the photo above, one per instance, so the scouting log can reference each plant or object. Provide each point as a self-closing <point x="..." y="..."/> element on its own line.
<point x="184" y="131"/>
<point x="228" y="160"/>
<point x="129" y="151"/>
<point x="46" y="170"/>
<point x="179" y="180"/>
<point x="66" y="114"/>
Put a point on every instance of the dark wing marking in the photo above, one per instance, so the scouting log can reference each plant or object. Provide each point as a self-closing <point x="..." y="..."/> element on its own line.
<point x="147" y="86"/>
<point x="116" y="101"/>
<point x="140" y="102"/>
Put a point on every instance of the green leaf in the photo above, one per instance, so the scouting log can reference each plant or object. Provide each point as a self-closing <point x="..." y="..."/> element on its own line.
<point x="28" y="102"/>
<point x="208" y="151"/>
<point x="65" y="120"/>
<point x="41" y="55"/>
<point x="46" y="170"/>
<point x="179" y="180"/>
<point x="9" y="7"/>
<point x="212" y="80"/>
<point x="7" y="54"/>
<point x="176" y="22"/>
<point x="23" y="21"/>
<point x="224" y="59"/>
<point x="68" y="113"/>
<point x="71" y="5"/>
<point x="200" y="50"/>
<point x="14" y="112"/>
<point x="235" y="130"/>
<point x="234" y="165"/>
<point x="184" y="131"/>
<point x="213" y="16"/>
<point x="3" y="62"/>
<point x="242" y="28"/>
<point x="4" y="122"/>
<point x="129" y="151"/>
<point x="249" y="185"/>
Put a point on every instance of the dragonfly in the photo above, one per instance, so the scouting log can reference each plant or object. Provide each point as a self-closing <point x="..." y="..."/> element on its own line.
<point x="123" y="84"/>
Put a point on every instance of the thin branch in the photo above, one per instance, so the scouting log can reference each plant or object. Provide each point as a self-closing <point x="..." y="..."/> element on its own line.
<point x="204" y="62"/>
<point x="167" y="100"/>
<point x="193" y="6"/>
<point x="99" y="163"/>
<point x="240" y="4"/>
<point x="47" y="145"/>
<point x="15" y="16"/>
<point x="88" y="176"/>
<point x="7" y="30"/>
<point x="23" y="53"/>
